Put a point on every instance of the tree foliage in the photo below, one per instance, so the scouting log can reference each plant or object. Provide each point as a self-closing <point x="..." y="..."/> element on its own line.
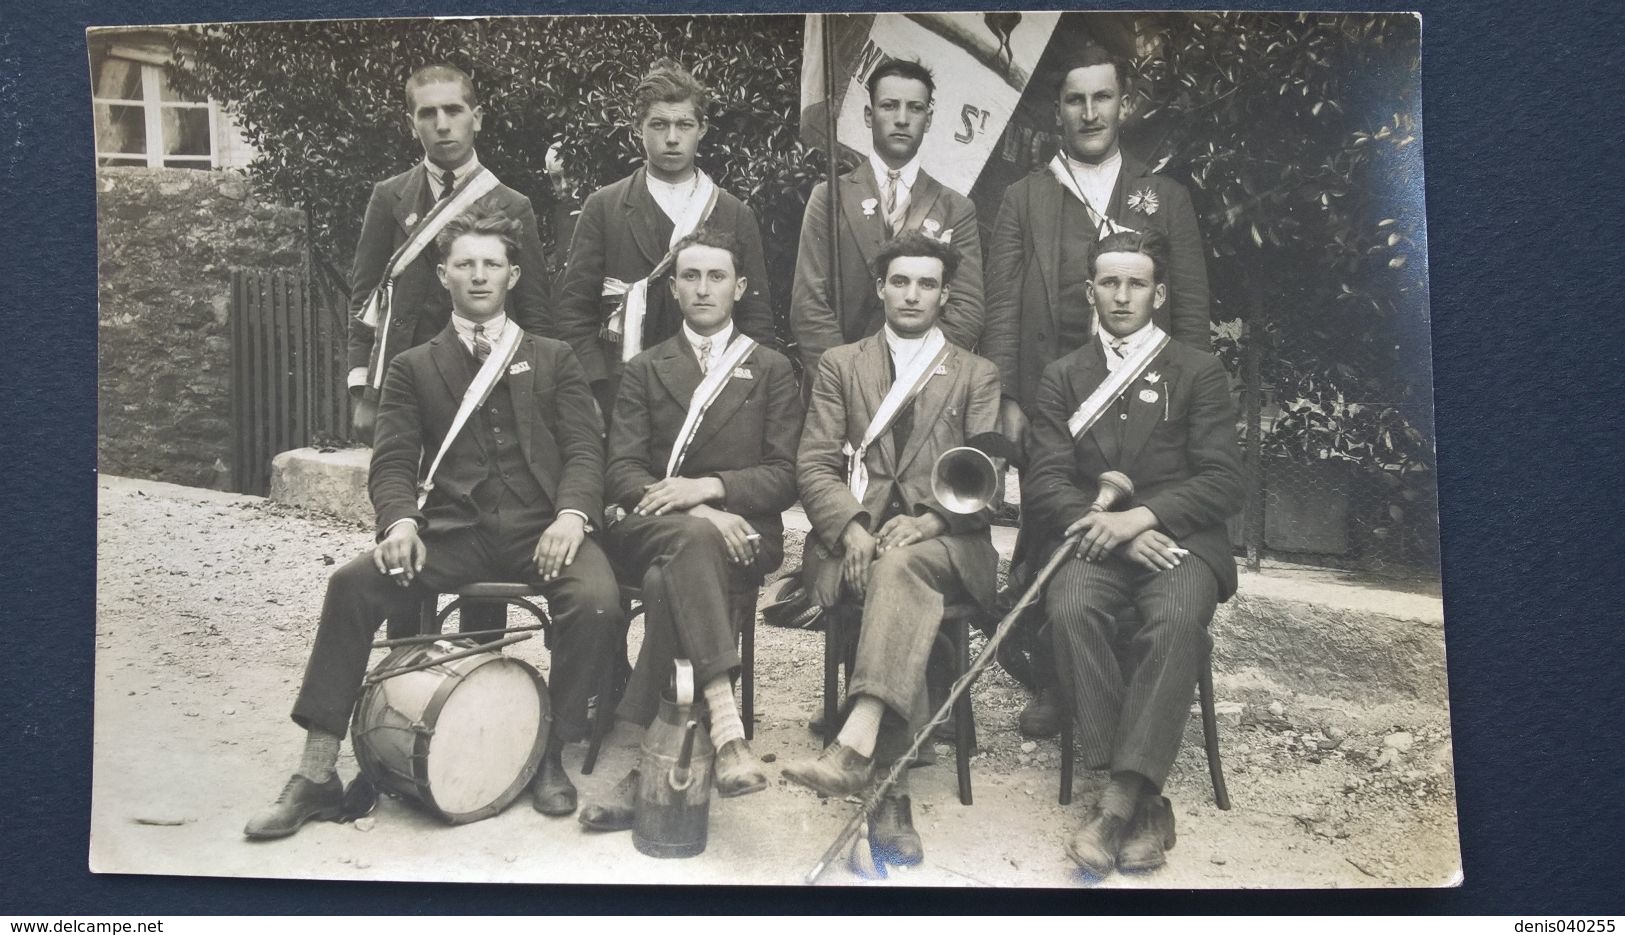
<point x="323" y="104"/>
<point x="1300" y="139"/>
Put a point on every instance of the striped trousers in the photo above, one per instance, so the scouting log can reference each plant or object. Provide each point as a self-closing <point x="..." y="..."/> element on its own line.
<point x="1130" y="710"/>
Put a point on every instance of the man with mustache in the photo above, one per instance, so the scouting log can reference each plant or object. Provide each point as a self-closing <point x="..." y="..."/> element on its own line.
<point x="609" y="309"/>
<point x="1038" y="265"/>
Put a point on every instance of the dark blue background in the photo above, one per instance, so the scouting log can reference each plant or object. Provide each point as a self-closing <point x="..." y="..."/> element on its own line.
<point x="1522" y="132"/>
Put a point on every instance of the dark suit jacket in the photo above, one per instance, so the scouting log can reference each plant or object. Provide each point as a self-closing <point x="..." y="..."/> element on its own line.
<point x="747" y="438"/>
<point x="623" y="233"/>
<point x="418" y="293"/>
<point x="1023" y="271"/>
<point x="952" y="408"/>
<point x="558" y="427"/>
<point x="812" y="299"/>
<point x="1179" y="449"/>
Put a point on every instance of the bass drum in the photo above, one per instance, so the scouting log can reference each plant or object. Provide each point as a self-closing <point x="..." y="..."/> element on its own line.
<point x="461" y="738"/>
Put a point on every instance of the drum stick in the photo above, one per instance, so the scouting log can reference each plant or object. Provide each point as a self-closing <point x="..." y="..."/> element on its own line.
<point x="376" y="677"/>
<point x="432" y="637"/>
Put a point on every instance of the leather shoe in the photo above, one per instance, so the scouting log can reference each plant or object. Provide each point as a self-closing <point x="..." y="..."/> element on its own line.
<point x="839" y="770"/>
<point x="739" y="772"/>
<point x="892" y="834"/>
<point x="552" y="792"/>
<point x="1149" y="837"/>
<point x="1095" y="845"/>
<point x="301" y="800"/>
<point x="1042" y="716"/>
<point x="617" y="813"/>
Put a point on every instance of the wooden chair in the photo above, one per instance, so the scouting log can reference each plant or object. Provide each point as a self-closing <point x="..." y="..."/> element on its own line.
<point x="840" y="648"/>
<point x="1210" y="737"/>
<point x="742" y="604"/>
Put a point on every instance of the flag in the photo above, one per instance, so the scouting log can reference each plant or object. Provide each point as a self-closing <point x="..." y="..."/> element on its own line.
<point x="981" y="63"/>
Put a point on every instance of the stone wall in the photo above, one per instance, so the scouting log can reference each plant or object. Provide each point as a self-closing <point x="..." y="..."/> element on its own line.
<point x="167" y="241"/>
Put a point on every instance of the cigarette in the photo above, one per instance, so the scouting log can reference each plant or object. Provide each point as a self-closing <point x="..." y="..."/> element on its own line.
<point x="1176" y="550"/>
<point x="397" y="571"/>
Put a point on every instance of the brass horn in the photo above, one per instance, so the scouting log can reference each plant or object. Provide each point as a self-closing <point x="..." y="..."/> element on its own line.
<point x="965" y="479"/>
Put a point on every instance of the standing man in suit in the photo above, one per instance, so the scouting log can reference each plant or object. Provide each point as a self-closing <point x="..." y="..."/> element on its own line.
<point x="1038" y="264"/>
<point x="702" y="456"/>
<point x="1132" y="400"/>
<point x="883" y="409"/>
<point x="514" y="494"/>
<point x="610" y="309"/>
<point x="883" y="197"/>
<point x="446" y="117"/>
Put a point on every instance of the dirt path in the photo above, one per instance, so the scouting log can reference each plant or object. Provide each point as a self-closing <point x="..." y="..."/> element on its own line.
<point x="207" y="603"/>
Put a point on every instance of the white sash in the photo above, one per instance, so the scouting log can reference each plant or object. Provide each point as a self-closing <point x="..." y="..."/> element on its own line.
<point x="375" y="312"/>
<point x="911" y="378"/>
<point x="478" y="391"/>
<point x="1063" y="175"/>
<point x="625" y="323"/>
<point x="1106" y="393"/>
<point x="709" y="389"/>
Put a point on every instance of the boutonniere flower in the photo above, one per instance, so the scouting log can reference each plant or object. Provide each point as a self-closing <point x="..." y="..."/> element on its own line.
<point x="931" y="226"/>
<point x="869" y="205"/>
<point x="1151" y="376"/>
<point x="412" y="219"/>
<point x="1144" y="201"/>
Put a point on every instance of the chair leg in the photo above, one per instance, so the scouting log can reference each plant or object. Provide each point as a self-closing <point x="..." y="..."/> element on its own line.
<point x="964" y="727"/>
<point x="1210" y="734"/>
<point x="747" y="673"/>
<point x="1066" y="758"/>
<point x="832" y="661"/>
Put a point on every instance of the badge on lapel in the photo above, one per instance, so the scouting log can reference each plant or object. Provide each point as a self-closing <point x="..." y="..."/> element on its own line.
<point x="1148" y="396"/>
<point x="412" y="219"/>
<point x="522" y="367"/>
<point x="869" y="205"/>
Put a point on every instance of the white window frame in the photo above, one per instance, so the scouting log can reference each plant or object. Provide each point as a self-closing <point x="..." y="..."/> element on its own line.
<point x="152" y="109"/>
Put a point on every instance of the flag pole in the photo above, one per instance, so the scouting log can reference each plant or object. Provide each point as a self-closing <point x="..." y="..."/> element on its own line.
<point x="833" y="214"/>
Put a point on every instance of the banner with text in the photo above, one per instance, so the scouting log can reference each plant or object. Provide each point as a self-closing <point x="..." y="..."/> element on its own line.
<point x="981" y="63"/>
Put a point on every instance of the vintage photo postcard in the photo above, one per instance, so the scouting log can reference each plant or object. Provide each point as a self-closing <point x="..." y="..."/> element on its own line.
<point x="951" y="449"/>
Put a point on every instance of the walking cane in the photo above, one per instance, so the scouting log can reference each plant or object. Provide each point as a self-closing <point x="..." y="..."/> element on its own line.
<point x="1114" y="487"/>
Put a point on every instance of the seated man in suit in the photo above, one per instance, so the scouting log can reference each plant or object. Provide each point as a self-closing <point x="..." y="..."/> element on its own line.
<point x="882" y="411"/>
<point x="1159" y="411"/>
<point x="702" y="458"/>
<point x="886" y="195"/>
<point x="610" y="307"/>
<point x="511" y="499"/>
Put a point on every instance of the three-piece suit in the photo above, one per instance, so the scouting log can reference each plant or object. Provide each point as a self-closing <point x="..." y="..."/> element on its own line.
<point x="908" y="587"/>
<point x="747" y="440"/>
<point x="531" y="450"/>
<point x="1173" y="433"/>
<point x="933" y="207"/>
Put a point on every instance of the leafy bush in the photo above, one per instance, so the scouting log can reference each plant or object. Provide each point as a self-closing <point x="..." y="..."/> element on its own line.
<point x="323" y="104"/>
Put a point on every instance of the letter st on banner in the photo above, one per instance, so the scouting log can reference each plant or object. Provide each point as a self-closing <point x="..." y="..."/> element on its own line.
<point x="981" y="62"/>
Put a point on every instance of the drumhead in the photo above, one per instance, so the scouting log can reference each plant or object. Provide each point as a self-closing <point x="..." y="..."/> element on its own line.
<point x="487" y="738"/>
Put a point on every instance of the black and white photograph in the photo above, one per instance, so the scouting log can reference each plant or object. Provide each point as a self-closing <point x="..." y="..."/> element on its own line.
<point x="981" y="449"/>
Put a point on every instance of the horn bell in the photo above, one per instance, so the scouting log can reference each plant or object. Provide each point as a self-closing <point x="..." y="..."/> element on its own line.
<point x="964" y="480"/>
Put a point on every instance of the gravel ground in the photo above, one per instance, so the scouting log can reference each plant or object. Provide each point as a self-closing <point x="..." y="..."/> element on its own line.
<point x="207" y="603"/>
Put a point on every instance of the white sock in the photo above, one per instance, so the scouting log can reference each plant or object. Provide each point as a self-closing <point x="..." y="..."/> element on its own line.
<point x="725" y="723"/>
<point x="862" y="725"/>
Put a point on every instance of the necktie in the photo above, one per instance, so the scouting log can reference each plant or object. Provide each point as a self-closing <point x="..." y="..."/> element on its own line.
<point x="448" y="181"/>
<point x="894" y="217"/>
<point x="705" y="355"/>
<point x="482" y="347"/>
